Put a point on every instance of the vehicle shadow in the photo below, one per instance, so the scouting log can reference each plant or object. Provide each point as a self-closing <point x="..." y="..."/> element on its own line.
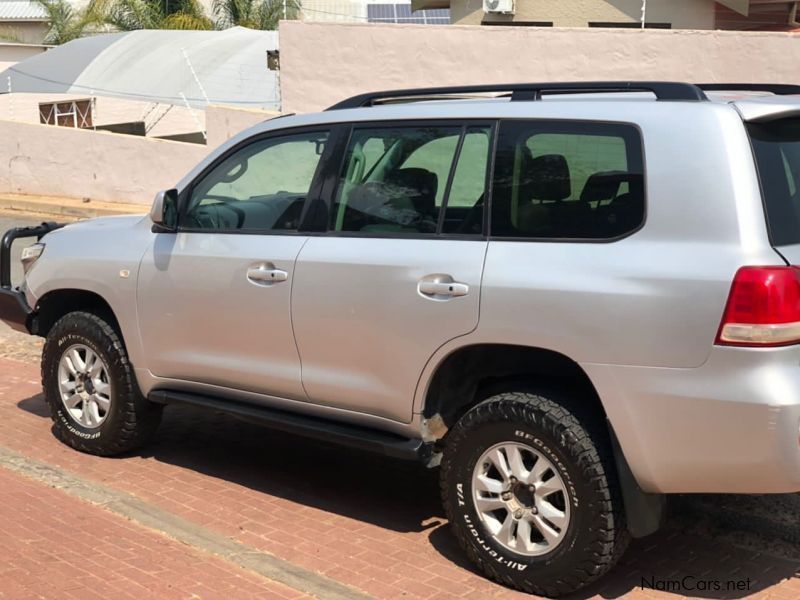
<point x="392" y="494"/>
<point x="684" y="559"/>
<point x="35" y="405"/>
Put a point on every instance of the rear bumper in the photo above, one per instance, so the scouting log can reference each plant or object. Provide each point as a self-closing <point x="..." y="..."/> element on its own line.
<point x="14" y="310"/>
<point x="730" y="426"/>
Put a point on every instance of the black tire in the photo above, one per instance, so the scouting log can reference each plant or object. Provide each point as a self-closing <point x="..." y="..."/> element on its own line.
<point x="596" y="534"/>
<point x="130" y="420"/>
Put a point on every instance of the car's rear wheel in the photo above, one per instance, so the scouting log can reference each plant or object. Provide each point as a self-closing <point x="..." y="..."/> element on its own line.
<point x="91" y="390"/>
<point x="532" y="495"/>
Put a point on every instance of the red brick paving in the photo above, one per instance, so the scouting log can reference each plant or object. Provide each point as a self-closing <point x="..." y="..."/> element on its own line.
<point x="56" y="546"/>
<point x="357" y="518"/>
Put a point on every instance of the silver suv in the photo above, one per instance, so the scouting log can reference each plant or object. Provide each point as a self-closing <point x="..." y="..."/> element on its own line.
<point x="575" y="298"/>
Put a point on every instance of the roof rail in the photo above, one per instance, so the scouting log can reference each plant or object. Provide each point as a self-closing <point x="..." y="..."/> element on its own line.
<point x="663" y="90"/>
<point x="779" y="89"/>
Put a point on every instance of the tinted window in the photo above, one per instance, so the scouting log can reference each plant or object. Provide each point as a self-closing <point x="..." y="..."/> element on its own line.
<point x="401" y="190"/>
<point x="777" y="149"/>
<point x="567" y="180"/>
<point x="260" y="187"/>
<point x="464" y="212"/>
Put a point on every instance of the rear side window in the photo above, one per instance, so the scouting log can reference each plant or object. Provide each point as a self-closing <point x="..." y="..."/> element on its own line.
<point x="777" y="150"/>
<point x="413" y="180"/>
<point x="567" y="180"/>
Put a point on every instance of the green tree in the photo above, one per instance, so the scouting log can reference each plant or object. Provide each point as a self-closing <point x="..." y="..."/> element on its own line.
<point x="255" y="14"/>
<point x="128" y="15"/>
<point x="67" y="23"/>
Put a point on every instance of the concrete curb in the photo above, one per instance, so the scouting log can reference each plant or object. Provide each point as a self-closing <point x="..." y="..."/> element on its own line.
<point x="182" y="530"/>
<point x="71" y="209"/>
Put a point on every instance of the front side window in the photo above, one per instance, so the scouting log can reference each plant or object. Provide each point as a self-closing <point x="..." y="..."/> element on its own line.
<point x="261" y="187"/>
<point x="395" y="180"/>
<point x="567" y="181"/>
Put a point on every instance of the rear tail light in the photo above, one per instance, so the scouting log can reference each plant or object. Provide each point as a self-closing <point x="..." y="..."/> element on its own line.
<point x="763" y="308"/>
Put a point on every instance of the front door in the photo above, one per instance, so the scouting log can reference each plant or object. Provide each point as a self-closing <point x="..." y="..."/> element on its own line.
<point x="214" y="298"/>
<point x="399" y="272"/>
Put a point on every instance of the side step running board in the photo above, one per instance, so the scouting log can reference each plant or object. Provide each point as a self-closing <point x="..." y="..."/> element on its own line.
<point x="353" y="436"/>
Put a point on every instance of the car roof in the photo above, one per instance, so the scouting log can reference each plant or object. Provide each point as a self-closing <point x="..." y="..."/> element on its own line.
<point x="619" y="107"/>
<point x="576" y="100"/>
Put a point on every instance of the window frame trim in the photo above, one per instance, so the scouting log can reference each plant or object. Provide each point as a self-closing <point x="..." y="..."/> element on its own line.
<point x="314" y="192"/>
<point x="572" y="240"/>
<point x="464" y="124"/>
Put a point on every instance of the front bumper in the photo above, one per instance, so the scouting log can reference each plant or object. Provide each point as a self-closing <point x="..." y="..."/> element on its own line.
<point x="14" y="310"/>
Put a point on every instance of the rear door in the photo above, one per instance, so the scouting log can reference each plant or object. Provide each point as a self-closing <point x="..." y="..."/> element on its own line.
<point x="398" y="272"/>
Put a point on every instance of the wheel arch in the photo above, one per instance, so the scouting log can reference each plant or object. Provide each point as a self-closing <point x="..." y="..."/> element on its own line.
<point x="56" y="303"/>
<point x="471" y="373"/>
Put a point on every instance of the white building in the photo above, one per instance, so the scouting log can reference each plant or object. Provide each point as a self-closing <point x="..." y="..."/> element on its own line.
<point x="371" y="11"/>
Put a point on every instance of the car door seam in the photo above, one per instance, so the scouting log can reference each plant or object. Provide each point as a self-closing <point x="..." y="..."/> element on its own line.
<point x="291" y="314"/>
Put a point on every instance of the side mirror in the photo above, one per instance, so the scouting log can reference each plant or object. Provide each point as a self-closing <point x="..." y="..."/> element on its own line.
<point x="164" y="213"/>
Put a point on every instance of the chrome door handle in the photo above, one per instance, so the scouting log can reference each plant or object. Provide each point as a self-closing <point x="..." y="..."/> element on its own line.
<point x="266" y="275"/>
<point x="443" y="289"/>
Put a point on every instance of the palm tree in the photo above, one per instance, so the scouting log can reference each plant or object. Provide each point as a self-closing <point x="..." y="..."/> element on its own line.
<point x="67" y="23"/>
<point x="255" y="14"/>
<point x="128" y="15"/>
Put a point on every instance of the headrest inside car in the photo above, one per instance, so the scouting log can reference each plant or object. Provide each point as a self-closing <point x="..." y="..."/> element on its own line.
<point x="548" y="178"/>
<point x="603" y="185"/>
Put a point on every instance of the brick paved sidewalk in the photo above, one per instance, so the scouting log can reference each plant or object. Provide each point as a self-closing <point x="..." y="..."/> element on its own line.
<point x="56" y="546"/>
<point x="359" y="519"/>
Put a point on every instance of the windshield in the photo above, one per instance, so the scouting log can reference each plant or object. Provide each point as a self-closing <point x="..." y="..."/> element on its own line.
<point x="777" y="149"/>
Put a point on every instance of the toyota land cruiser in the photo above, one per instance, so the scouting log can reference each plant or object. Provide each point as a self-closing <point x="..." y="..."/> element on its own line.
<point x="574" y="298"/>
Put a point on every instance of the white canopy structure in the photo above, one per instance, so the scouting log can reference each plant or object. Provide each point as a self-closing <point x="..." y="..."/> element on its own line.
<point x="197" y="68"/>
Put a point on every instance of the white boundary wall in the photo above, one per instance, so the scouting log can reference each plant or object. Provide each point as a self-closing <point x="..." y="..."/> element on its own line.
<point x="74" y="163"/>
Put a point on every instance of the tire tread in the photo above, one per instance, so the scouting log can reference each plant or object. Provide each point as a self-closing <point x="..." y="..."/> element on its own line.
<point x="139" y="418"/>
<point x="593" y="456"/>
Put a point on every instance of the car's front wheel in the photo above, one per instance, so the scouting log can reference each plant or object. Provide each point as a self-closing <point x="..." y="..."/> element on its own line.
<point x="531" y="495"/>
<point x="91" y="390"/>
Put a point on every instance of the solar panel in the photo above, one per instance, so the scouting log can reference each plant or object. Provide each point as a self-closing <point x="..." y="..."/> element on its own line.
<point x="401" y="13"/>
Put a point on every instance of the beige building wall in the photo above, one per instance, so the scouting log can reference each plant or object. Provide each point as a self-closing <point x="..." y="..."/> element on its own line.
<point x="682" y="14"/>
<point x="12" y="53"/>
<point x="23" y="32"/>
<point x="325" y="63"/>
<point x="161" y="119"/>
<point x="224" y="122"/>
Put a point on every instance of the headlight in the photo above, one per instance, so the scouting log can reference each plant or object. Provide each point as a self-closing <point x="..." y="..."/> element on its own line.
<point x="30" y="255"/>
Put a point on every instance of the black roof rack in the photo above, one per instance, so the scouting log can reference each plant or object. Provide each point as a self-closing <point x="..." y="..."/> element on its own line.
<point x="779" y="89"/>
<point x="663" y="90"/>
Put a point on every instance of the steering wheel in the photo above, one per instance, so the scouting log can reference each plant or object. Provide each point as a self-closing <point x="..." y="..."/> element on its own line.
<point x="196" y="215"/>
<point x="240" y="214"/>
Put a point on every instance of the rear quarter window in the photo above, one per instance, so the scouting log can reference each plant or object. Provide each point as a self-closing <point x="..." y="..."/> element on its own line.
<point x="567" y="180"/>
<point x="776" y="146"/>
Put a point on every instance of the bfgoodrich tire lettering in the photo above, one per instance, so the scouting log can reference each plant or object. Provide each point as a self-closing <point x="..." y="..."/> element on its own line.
<point x="595" y="533"/>
<point x="130" y="419"/>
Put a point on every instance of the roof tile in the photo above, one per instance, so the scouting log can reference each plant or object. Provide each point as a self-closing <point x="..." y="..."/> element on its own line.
<point x="21" y="10"/>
